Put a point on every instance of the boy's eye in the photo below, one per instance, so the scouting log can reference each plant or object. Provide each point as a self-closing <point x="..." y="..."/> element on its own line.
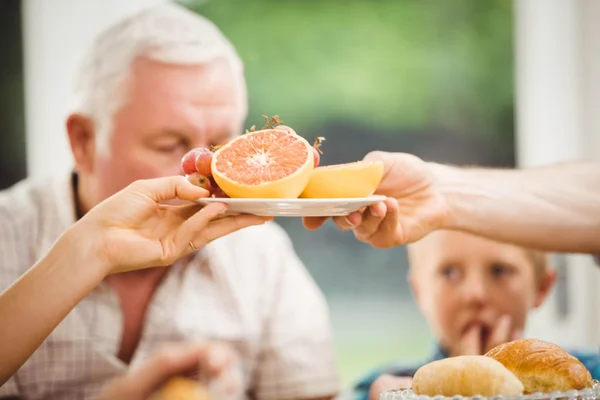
<point x="499" y="270"/>
<point x="450" y="273"/>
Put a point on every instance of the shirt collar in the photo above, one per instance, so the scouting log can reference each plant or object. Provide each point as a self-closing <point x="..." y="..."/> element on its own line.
<point x="439" y="352"/>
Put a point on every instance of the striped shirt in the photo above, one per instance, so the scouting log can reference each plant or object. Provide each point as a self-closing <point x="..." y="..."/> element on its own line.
<point x="248" y="288"/>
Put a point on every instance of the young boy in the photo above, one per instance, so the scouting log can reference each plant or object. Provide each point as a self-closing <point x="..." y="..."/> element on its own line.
<point x="475" y="294"/>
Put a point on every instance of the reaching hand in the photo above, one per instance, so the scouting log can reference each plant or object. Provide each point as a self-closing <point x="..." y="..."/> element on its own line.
<point x="159" y="376"/>
<point x="134" y="230"/>
<point x="414" y="206"/>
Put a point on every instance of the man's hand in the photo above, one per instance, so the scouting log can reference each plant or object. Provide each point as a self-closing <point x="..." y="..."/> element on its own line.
<point x="388" y="382"/>
<point x="212" y="361"/>
<point x="415" y="205"/>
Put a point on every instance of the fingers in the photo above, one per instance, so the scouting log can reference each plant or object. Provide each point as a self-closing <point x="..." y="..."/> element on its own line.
<point x="139" y="384"/>
<point x="388" y="382"/>
<point x="215" y="364"/>
<point x="470" y="343"/>
<point x="314" y="223"/>
<point x="208" y="224"/>
<point x="371" y="219"/>
<point x="220" y="364"/>
<point x="388" y="232"/>
<point x="350" y="221"/>
<point x="378" y="156"/>
<point x="168" y="363"/>
<point x="501" y="332"/>
<point x="224" y="226"/>
<point x="168" y="188"/>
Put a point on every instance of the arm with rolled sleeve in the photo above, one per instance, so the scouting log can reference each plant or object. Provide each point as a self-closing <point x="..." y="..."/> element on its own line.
<point x="297" y="357"/>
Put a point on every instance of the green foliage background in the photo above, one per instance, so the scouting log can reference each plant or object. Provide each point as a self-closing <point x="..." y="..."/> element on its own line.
<point x="391" y="64"/>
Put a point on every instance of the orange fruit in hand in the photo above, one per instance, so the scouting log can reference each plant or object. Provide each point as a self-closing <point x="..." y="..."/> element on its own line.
<point x="269" y="163"/>
<point x="357" y="179"/>
<point x="180" y="388"/>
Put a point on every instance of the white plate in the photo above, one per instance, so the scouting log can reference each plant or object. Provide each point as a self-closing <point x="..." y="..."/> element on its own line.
<point x="294" y="207"/>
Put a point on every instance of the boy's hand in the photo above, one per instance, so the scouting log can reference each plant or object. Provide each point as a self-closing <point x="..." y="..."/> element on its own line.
<point x="476" y="342"/>
<point x="388" y="382"/>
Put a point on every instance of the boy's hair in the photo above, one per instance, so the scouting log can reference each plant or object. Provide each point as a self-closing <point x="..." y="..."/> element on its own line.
<point x="539" y="259"/>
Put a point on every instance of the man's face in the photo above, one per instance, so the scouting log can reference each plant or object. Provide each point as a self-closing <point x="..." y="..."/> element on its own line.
<point x="464" y="282"/>
<point x="170" y="110"/>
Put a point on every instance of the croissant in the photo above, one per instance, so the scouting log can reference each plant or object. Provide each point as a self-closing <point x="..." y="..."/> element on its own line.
<point x="466" y="376"/>
<point x="541" y="366"/>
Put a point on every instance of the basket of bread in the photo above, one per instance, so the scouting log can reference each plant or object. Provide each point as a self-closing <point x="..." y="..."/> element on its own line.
<point x="524" y="369"/>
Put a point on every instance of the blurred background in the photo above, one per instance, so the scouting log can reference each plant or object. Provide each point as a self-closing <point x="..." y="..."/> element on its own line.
<point x="493" y="83"/>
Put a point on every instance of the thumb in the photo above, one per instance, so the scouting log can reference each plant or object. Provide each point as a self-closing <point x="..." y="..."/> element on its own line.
<point x="168" y="188"/>
<point x="383" y="156"/>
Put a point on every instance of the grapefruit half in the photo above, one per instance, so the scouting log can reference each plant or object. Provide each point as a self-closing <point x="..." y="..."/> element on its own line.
<point x="351" y="180"/>
<point x="269" y="163"/>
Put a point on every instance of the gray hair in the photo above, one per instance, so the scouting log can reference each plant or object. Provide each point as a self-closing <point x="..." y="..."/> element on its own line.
<point x="167" y="33"/>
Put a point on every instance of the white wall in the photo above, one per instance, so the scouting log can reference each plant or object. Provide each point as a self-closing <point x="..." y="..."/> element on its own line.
<point x="558" y="89"/>
<point x="56" y="33"/>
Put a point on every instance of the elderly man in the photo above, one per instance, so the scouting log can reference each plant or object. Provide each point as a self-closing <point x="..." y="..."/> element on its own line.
<point x="151" y="88"/>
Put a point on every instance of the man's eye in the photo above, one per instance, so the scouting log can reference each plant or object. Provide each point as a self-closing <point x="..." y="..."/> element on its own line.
<point x="169" y="147"/>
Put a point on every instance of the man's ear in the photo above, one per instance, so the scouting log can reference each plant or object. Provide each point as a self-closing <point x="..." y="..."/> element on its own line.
<point x="545" y="286"/>
<point x="82" y="138"/>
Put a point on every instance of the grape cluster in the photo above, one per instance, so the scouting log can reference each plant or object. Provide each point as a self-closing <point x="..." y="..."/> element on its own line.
<point x="196" y="166"/>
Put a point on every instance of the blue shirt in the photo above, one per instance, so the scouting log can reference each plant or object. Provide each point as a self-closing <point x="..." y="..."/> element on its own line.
<point x="590" y="359"/>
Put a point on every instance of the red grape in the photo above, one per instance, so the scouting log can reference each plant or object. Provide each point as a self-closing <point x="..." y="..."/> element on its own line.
<point x="197" y="160"/>
<point x="317" y="157"/>
<point x="188" y="162"/>
<point x="200" y="180"/>
<point x="203" y="161"/>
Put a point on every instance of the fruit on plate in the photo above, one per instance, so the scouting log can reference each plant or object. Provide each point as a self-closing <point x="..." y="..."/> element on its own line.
<point x="196" y="167"/>
<point x="268" y="163"/>
<point x="276" y="123"/>
<point x="351" y="180"/>
<point x="278" y="167"/>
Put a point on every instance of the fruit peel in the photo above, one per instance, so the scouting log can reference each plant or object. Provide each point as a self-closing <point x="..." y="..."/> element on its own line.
<point x="351" y="180"/>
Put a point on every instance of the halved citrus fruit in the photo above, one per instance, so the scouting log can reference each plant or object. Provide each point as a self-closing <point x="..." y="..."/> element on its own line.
<point x="357" y="179"/>
<point x="269" y="163"/>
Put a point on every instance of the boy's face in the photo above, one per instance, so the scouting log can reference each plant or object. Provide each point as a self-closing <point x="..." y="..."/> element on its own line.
<point x="474" y="292"/>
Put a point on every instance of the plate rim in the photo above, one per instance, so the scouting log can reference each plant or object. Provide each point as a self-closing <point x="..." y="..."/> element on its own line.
<point x="299" y="201"/>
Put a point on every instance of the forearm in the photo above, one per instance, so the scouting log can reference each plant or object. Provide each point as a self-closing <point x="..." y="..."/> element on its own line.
<point x="555" y="208"/>
<point x="35" y="304"/>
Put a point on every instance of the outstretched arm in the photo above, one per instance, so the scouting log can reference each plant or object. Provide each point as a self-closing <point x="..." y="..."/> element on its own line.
<point x="554" y="208"/>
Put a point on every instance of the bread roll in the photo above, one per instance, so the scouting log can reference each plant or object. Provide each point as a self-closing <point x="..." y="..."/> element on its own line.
<point x="182" y="389"/>
<point x="541" y="366"/>
<point x="466" y="376"/>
